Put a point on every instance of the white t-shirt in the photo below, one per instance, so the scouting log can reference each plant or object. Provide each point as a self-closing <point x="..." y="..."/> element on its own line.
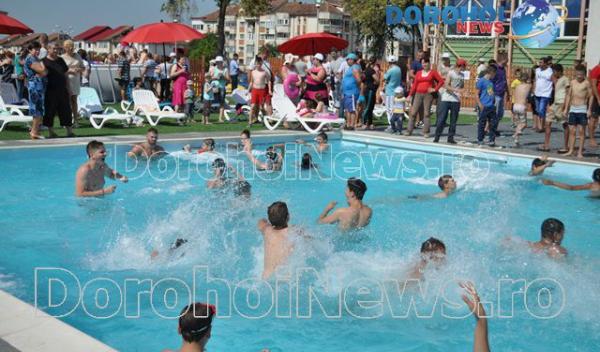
<point x="543" y="82"/>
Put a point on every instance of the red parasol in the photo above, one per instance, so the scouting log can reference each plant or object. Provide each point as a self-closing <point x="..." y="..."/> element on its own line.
<point x="162" y="32"/>
<point x="312" y="43"/>
<point x="9" y="25"/>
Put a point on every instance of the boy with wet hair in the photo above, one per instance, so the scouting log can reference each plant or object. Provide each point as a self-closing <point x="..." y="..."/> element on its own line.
<point x="208" y="146"/>
<point x="89" y="179"/>
<point x="195" y="326"/>
<point x="433" y="251"/>
<point x="242" y="188"/>
<point x="593" y="187"/>
<point x="277" y="244"/>
<point x="321" y="139"/>
<point x="220" y="175"/>
<point x="447" y="184"/>
<point x="553" y="232"/>
<point x="356" y="215"/>
<point x="539" y="165"/>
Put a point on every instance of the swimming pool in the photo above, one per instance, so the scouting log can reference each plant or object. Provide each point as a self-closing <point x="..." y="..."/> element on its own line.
<point x="347" y="279"/>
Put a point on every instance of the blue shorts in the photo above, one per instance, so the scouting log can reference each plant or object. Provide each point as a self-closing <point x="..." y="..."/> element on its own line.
<point x="541" y="106"/>
<point x="349" y="103"/>
<point x="577" y="118"/>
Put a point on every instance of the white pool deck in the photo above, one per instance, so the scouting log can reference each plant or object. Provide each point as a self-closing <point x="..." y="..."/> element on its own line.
<point x="27" y="329"/>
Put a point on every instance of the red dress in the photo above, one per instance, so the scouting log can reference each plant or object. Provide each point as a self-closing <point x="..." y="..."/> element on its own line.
<point x="179" y="86"/>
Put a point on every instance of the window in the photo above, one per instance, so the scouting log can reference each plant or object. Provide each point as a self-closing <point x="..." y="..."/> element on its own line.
<point x="282" y="36"/>
<point x="283" y="22"/>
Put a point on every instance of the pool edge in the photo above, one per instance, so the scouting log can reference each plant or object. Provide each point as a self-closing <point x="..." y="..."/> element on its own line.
<point x="28" y="329"/>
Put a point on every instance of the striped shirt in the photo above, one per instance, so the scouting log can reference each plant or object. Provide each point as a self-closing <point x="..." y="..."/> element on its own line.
<point x="123" y="65"/>
<point x="150" y="68"/>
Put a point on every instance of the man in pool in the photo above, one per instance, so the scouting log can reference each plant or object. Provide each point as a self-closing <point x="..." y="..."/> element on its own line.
<point x="593" y="187"/>
<point x="446" y="183"/>
<point x="178" y="243"/>
<point x="274" y="156"/>
<point x="149" y="148"/>
<point x="195" y="326"/>
<point x="89" y="179"/>
<point x="553" y="232"/>
<point x="277" y="242"/>
<point x="321" y="142"/>
<point x="356" y="215"/>
<point x="220" y="174"/>
<point x="539" y="165"/>
<point x="433" y="252"/>
<point x="208" y="146"/>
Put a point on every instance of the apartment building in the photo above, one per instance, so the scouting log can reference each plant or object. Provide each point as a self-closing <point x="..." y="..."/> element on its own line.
<point x="286" y="19"/>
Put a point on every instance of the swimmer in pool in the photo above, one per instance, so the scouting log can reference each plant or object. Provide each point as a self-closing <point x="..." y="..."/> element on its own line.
<point x="446" y="183"/>
<point x="276" y="234"/>
<point x="553" y="232"/>
<point x="149" y="148"/>
<point x="208" y="146"/>
<point x="356" y="215"/>
<point x="593" y="187"/>
<point x="89" y="179"/>
<point x="306" y="163"/>
<point x="246" y="141"/>
<point x="195" y="326"/>
<point x="433" y="253"/>
<point x="220" y="178"/>
<point x="321" y="142"/>
<point x="242" y="189"/>
<point x="178" y="243"/>
<point x="274" y="155"/>
<point x="539" y="165"/>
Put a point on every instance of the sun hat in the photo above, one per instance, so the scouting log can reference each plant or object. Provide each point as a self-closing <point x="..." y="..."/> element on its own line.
<point x="481" y="59"/>
<point x="445" y="55"/>
<point x="319" y="57"/>
<point x="219" y="59"/>
<point x="399" y="90"/>
<point x="288" y="59"/>
<point x="172" y="54"/>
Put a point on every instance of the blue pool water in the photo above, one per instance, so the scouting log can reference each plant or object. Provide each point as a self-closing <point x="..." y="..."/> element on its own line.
<point x="43" y="225"/>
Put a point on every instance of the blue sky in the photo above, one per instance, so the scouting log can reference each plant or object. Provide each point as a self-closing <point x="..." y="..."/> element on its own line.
<point x="79" y="15"/>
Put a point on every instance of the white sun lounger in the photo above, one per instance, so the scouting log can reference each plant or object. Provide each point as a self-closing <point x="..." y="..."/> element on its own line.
<point x="91" y="107"/>
<point x="145" y="103"/>
<point x="285" y="110"/>
<point x="11" y="100"/>
<point x="12" y="115"/>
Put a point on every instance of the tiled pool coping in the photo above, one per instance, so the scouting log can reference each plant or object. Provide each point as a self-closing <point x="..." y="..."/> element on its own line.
<point x="27" y="329"/>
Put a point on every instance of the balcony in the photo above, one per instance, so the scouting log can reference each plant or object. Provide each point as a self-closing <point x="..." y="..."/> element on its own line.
<point x="283" y="28"/>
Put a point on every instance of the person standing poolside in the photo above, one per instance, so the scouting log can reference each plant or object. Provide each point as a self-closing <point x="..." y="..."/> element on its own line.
<point x="556" y="111"/>
<point x="593" y="187"/>
<point x="593" y="123"/>
<point x="427" y="82"/>
<point x="487" y="111"/>
<point x="450" y="101"/>
<point x="278" y="245"/>
<point x="123" y="71"/>
<point x="260" y="88"/>
<point x="234" y="71"/>
<point x="220" y="73"/>
<point x="351" y="90"/>
<point x="76" y="67"/>
<point x="89" y="179"/>
<point x="579" y="106"/>
<point x="179" y="75"/>
<point x="433" y="253"/>
<point x="393" y="80"/>
<point x="195" y="327"/>
<point x="56" y="100"/>
<point x="36" y="72"/>
<point x="520" y="96"/>
<point x="501" y="90"/>
<point x="543" y="92"/>
<point x="149" y="148"/>
<point x="370" y="87"/>
<point x="356" y="215"/>
<point x="553" y="232"/>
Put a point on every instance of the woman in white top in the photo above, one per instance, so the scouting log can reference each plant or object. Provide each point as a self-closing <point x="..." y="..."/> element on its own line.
<point x="75" y="64"/>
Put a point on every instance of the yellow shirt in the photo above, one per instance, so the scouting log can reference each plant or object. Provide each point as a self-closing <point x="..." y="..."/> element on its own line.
<point x="515" y="83"/>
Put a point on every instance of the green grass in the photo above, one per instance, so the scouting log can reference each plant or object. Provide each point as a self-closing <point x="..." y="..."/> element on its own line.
<point x="19" y="131"/>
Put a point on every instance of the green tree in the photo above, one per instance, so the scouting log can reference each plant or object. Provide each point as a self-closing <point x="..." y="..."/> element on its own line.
<point x="177" y="9"/>
<point x="270" y="48"/>
<point x="206" y="47"/>
<point x="370" y="15"/>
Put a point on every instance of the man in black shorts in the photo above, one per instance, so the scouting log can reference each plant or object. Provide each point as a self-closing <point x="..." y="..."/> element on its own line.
<point x="123" y="71"/>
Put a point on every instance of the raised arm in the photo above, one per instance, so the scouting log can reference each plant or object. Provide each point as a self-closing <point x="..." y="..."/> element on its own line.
<point x="471" y="299"/>
<point x="326" y="218"/>
<point x="568" y="187"/>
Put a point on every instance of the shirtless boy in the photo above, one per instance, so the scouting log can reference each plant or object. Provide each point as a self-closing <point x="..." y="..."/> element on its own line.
<point x="276" y="234"/>
<point x="553" y="231"/>
<point x="433" y="252"/>
<point x="149" y="148"/>
<point x="356" y="215"/>
<point x="89" y="179"/>
<point x="521" y="93"/>
<point x="321" y="142"/>
<point x="260" y="88"/>
<point x="579" y="107"/>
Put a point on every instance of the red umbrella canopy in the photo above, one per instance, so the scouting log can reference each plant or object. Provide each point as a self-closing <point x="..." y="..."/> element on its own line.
<point x="162" y="32"/>
<point x="9" y="25"/>
<point x="312" y="43"/>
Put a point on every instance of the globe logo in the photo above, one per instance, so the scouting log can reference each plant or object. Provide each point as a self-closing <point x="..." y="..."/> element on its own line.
<point x="535" y="23"/>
